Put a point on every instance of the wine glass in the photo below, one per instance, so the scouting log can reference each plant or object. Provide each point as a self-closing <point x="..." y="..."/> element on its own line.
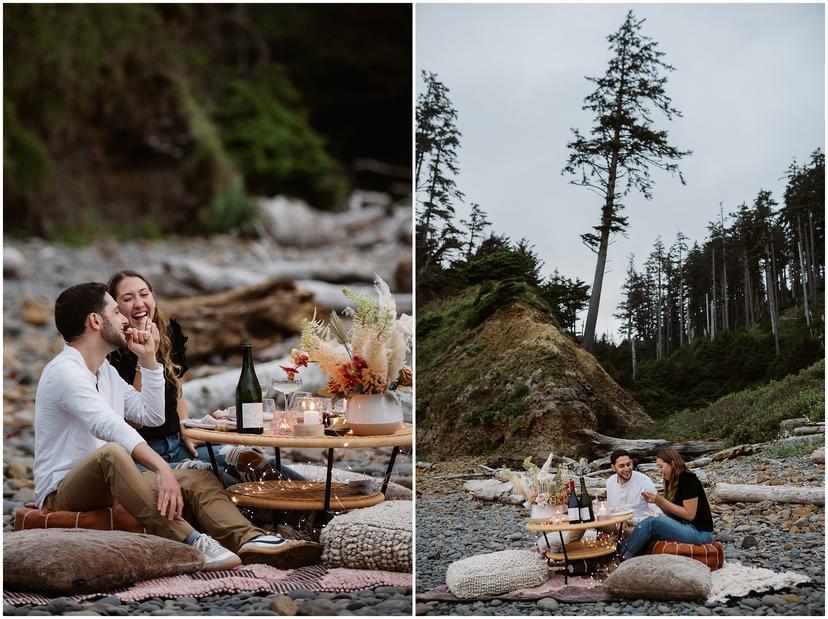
<point x="284" y="384"/>
<point x="269" y="412"/>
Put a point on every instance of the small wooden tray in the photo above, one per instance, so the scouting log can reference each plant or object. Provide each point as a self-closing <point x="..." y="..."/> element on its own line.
<point x="299" y="495"/>
<point x="582" y="550"/>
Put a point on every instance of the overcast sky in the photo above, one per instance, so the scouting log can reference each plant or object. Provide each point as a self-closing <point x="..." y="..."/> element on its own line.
<point x="749" y="79"/>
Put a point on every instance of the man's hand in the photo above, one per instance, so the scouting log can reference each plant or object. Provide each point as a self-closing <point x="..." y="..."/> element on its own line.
<point x="170" y="501"/>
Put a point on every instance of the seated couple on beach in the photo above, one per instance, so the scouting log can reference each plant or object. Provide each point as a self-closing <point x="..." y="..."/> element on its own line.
<point x="87" y="450"/>
<point x="682" y="514"/>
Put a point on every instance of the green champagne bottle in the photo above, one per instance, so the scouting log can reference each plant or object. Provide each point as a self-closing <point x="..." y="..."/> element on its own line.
<point x="248" y="396"/>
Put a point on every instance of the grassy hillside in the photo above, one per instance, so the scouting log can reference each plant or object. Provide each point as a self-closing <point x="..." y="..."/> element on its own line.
<point x="751" y="415"/>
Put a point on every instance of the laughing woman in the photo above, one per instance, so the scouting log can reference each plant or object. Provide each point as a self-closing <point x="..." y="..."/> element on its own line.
<point x="687" y="516"/>
<point x="136" y="299"/>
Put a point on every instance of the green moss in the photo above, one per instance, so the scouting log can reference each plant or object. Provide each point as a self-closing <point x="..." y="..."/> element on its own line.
<point x="751" y="415"/>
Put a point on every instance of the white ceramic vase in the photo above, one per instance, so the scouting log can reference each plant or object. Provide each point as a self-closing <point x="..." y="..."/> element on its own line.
<point x="372" y="414"/>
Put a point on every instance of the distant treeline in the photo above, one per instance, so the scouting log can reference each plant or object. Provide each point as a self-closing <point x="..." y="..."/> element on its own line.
<point x="145" y="119"/>
<point x="744" y="307"/>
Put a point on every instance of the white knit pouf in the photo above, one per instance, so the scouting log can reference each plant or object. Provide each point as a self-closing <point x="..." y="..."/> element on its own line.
<point x="374" y="538"/>
<point x="496" y="573"/>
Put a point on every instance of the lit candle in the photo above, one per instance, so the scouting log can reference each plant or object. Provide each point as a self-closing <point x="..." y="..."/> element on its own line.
<point x="312" y="417"/>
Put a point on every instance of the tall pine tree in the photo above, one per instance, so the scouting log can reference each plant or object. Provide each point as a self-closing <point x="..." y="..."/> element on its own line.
<point x="623" y="144"/>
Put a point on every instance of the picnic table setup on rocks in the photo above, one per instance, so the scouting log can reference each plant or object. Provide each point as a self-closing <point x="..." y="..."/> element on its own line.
<point x="366" y="547"/>
<point x="767" y="556"/>
<point x="574" y="551"/>
<point x="305" y="495"/>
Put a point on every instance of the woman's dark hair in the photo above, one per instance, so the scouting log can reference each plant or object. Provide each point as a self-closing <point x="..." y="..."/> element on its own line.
<point x="74" y="304"/>
<point x="674" y="459"/>
<point x="171" y="369"/>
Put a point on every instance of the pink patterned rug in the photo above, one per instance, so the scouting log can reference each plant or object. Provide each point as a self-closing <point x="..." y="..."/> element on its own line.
<point x="579" y="589"/>
<point x="254" y="578"/>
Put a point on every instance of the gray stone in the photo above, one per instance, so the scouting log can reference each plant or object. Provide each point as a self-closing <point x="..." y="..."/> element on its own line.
<point x="303" y="593"/>
<point x="751" y="603"/>
<point x="8" y="609"/>
<point x="284" y="605"/>
<point x="749" y="542"/>
<point x="548" y="604"/>
<point x="773" y="600"/>
<point x="111" y="600"/>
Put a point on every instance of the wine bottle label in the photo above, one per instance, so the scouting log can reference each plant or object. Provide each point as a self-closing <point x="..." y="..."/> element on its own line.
<point x="573" y="514"/>
<point x="585" y="514"/>
<point x="252" y="415"/>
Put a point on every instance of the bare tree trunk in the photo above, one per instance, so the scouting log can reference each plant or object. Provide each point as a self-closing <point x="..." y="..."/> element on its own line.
<point x="771" y="304"/>
<point x="595" y="298"/>
<point x="707" y="314"/>
<point x="713" y="321"/>
<point x="813" y="275"/>
<point x="726" y="315"/>
<point x="802" y="274"/>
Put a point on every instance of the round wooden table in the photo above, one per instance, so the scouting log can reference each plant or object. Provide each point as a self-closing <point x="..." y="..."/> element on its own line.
<point x="577" y="550"/>
<point x="282" y="495"/>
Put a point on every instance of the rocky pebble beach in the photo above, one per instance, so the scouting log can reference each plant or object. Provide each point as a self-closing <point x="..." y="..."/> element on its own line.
<point x="452" y="524"/>
<point x="34" y="275"/>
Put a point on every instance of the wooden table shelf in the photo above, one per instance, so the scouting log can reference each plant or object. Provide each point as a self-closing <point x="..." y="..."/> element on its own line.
<point x="299" y="495"/>
<point x="582" y="550"/>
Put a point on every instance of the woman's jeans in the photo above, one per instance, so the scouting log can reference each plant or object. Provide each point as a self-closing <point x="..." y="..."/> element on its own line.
<point x="661" y="528"/>
<point x="173" y="450"/>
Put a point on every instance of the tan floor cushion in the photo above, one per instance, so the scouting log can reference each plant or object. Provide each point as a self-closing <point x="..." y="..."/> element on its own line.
<point x="495" y="573"/>
<point x="660" y="577"/>
<point x="373" y="538"/>
<point x="67" y="561"/>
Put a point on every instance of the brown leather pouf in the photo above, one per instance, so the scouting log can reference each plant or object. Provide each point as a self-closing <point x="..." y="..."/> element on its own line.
<point x="712" y="555"/>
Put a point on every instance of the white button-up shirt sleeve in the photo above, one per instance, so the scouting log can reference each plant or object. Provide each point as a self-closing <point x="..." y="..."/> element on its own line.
<point x="76" y="412"/>
<point x="145" y="407"/>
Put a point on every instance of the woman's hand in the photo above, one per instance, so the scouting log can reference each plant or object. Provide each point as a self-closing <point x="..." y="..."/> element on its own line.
<point x="191" y="445"/>
<point x="652" y="497"/>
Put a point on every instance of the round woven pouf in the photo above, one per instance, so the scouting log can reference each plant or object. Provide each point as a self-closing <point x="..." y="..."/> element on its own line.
<point x="496" y="573"/>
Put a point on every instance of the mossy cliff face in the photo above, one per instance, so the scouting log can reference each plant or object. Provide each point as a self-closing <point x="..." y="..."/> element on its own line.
<point x="511" y="387"/>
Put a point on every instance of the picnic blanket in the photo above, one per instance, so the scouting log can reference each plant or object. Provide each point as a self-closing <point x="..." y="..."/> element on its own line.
<point x="254" y="578"/>
<point x="736" y="580"/>
<point x="733" y="580"/>
<point x="579" y="590"/>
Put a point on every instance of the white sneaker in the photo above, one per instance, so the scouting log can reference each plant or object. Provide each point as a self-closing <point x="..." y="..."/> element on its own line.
<point x="279" y="552"/>
<point x="216" y="556"/>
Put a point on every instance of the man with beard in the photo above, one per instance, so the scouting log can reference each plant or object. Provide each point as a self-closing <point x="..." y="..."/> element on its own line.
<point x="624" y="489"/>
<point x="86" y="451"/>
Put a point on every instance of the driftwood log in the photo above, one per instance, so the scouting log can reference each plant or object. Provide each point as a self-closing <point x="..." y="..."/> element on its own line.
<point x="748" y="493"/>
<point x="264" y="314"/>
<point x="646" y="447"/>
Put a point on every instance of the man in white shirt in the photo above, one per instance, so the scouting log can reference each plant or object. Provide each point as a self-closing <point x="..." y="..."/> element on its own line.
<point x="86" y="452"/>
<point x="625" y="487"/>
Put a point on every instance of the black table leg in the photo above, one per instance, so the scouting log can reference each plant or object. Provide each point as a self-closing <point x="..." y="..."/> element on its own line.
<point x="213" y="462"/>
<point x="277" y="457"/>
<point x="390" y="468"/>
<point x="327" y="506"/>
<point x="566" y="559"/>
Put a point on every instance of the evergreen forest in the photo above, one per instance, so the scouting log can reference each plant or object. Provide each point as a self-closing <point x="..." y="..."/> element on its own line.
<point x="145" y="119"/>
<point x="739" y="310"/>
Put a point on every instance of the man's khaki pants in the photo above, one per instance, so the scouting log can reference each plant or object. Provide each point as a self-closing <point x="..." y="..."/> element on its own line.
<point x="109" y="474"/>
